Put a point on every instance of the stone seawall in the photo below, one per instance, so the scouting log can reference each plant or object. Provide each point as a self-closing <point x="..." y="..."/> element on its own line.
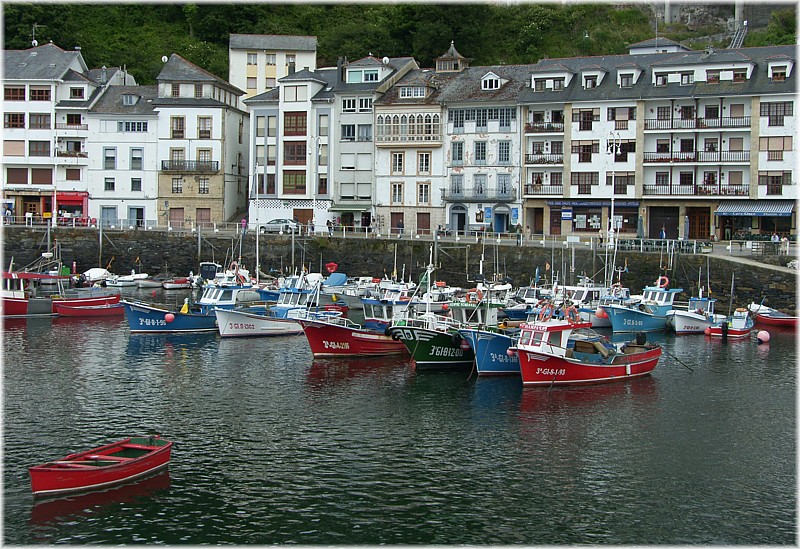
<point x="458" y="262"/>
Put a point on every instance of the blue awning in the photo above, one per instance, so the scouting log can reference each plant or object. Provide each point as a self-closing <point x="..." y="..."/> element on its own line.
<point x="758" y="208"/>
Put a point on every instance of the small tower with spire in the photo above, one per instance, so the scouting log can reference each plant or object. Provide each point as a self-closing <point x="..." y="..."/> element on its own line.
<point x="451" y="61"/>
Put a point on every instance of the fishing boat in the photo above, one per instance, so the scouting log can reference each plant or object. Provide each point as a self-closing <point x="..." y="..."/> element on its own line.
<point x="339" y="336"/>
<point x="561" y="351"/>
<point x="298" y="293"/>
<point x="648" y="314"/>
<point x="736" y="326"/>
<point x="696" y="318"/>
<point x="248" y="323"/>
<point x="490" y="340"/>
<point x="125" y="281"/>
<point x="22" y="295"/>
<point x="100" y="467"/>
<point x="90" y="311"/>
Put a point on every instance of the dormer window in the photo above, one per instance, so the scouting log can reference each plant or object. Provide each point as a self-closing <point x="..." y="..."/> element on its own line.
<point x="490" y="83"/>
<point x="76" y="93"/>
<point x="739" y="75"/>
<point x="661" y="79"/>
<point x="626" y="80"/>
<point x="408" y="92"/>
<point x="590" y="82"/>
<point x="779" y="74"/>
<point x="539" y="84"/>
<point x="558" y="84"/>
<point x="176" y="90"/>
<point x="129" y="99"/>
<point x="371" y="76"/>
<point x="712" y="77"/>
<point x="687" y="78"/>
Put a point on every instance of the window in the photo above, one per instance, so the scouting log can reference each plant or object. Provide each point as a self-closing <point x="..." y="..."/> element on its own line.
<point x="687" y="78"/>
<point x="348" y="161"/>
<point x="539" y="84"/>
<point x="295" y="93"/>
<point x="506" y="116"/>
<point x="73" y="120"/>
<point x="457" y="153"/>
<point x="558" y="84"/>
<point x="663" y="113"/>
<point x="590" y="82"/>
<point x="456" y="185"/>
<point x="270" y="82"/>
<point x="110" y="159"/>
<point x="348" y="132"/>
<point x="687" y="112"/>
<point x="687" y="145"/>
<point x="662" y="178"/>
<point x="490" y="83"/>
<point x="323" y="125"/>
<point x="204" y="157"/>
<point x="686" y="178"/>
<point x="712" y="111"/>
<point x="14" y="120"/>
<point x="365" y="132"/>
<point x="775" y="146"/>
<point x="504" y="152"/>
<point x="457" y="117"/>
<point x="735" y="178"/>
<point x="710" y="145"/>
<point x="42" y="176"/>
<point x="202" y="185"/>
<point x="709" y="178"/>
<point x="504" y="184"/>
<point x="17" y="176"/>
<point x="176" y="90"/>
<point x="73" y="174"/>
<point x="271" y="189"/>
<point x="397" y="162"/>
<point x="260" y="155"/>
<point x="204" y="127"/>
<point x="76" y="93"/>
<point x="13" y="148"/>
<point x="397" y="193"/>
<point x="409" y="92"/>
<point x="349" y="104"/>
<point x="322" y="184"/>
<point x="556" y="179"/>
<point x="198" y="91"/>
<point x="39" y="121"/>
<point x="294" y="182"/>
<point x="480" y="152"/>
<point x="778" y="74"/>
<point x="736" y="144"/>
<point x="423" y="193"/>
<point x="13" y="93"/>
<point x="272" y="126"/>
<point x="585" y="181"/>
<point x="739" y="75"/>
<point x="260" y="125"/>
<point x="777" y="111"/>
<point x="270" y="58"/>
<point x="480" y="180"/>
<point x="38" y="148"/>
<point x="177" y="125"/>
<point x="423" y="163"/>
<point x="625" y="80"/>
<point x="39" y="94"/>
<point x="109" y="184"/>
<point x="365" y="104"/>
<point x="252" y="58"/>
<point x="294" y="153"/>
<point x="295" y="123"/>
<point x="371" y="75"/>
<point x="177" y="185"/>
<point x="712" y="77"/>
<point x="272" y="153"/>
<point x="131" y="126"/>
<point x="481" y="117"/>
<point x="128" y="99"/>
<point x="136" y="184"/>
<point x="137" y="161"/>
<point x="251" y="82"/>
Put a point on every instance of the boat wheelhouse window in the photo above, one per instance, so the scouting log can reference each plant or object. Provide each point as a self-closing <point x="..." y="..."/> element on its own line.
<point x="227" y="295"/>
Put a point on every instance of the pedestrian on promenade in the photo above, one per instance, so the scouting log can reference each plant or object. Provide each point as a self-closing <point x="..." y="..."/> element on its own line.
<point x="330" y="228"/>
<point x="400" y="227"/>
<point x="518" y="230"/>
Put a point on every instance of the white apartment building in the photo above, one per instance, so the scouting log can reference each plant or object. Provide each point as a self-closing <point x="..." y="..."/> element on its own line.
<point x="203" y="151"/>
<point x="692" y="142"/>
<point x="257" y="61"/>
<point x="47" y="94"/>
<point x="123" y="164"/>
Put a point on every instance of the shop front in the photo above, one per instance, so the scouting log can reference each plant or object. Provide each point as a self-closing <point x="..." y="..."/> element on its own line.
<point x="740" y="219"/>
<point x="72" y="205"/>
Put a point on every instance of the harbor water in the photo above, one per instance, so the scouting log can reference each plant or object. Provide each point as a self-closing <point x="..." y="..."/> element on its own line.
<point x="273" y="446"/>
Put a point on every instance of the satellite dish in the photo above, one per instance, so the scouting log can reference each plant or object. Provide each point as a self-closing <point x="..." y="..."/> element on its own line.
<point x="35" y="43"/>
<point x="385" y="60"/>
<point x="164" y="58"/>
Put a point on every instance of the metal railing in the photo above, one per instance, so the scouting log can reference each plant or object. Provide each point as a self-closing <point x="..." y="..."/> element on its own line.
<point x="190" y="166"/>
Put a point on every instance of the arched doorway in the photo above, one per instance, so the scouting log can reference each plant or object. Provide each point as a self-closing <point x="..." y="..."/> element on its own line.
<point x="501" y="219"/>
<point x="458" y="219"/>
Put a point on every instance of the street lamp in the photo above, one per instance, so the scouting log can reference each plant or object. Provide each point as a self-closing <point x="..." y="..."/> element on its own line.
<point x="613" y="148"/>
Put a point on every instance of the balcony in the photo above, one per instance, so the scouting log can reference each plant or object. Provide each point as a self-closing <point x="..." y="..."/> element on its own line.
<point x="189" y="166"/>
<point x="478" y="195"/>
<point x="71" y="154"/>
<point x="535" y="189"/>
<point x="696" y="156"/>
<point x="74" y="127"/>
<point x="696" y="190"/>
<point x="398" y="139"/>
<point x="544" y="127"/>
<point x="696" y="123"/>
<point x="540" y="158"/>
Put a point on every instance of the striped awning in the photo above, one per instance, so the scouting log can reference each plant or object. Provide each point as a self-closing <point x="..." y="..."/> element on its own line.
<point x="758" y="208"/>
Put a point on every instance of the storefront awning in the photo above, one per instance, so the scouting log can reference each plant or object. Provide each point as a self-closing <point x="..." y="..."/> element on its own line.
<point x="346" y="208"/>
<point x="758" y="208"/>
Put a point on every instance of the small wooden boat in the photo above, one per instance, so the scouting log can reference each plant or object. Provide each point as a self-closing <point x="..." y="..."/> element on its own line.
<point x="737" y="326"/>
<point x="101" y="467"/>
<point x="776" y="318"/>
<point x="241" y="323"/>
<point x="92" y="311"/>
<point x="177" y="283"/>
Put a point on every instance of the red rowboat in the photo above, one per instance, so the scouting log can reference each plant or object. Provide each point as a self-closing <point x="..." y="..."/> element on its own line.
<point x="108" y="309"/>
<point x="558" y="352"/>
<point x="101" y="467"/>
<point x="20" y="297"/>
<point x="776" y="318"/>
<point x="339" y="336"/>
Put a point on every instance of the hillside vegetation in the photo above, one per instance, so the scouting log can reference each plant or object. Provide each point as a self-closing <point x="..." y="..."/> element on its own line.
<point x="136" y="36"/>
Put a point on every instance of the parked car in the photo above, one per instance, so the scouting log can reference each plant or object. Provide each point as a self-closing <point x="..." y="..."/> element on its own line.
<point x="278" y="225"/>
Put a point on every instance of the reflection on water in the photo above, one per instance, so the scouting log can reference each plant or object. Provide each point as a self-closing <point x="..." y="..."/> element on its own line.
<point x="274" y="446"/>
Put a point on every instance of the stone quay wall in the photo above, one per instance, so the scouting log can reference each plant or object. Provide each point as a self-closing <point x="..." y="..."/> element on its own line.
<point x="457" y="262"/>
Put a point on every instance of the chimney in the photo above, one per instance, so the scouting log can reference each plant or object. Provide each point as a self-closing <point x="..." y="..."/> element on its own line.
<point x="339" y="69"/>
<point x="103" y="75"/>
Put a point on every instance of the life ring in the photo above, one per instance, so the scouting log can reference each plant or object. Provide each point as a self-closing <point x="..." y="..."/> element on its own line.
<point x="662" y="282"/>
<point x="474" y="295"/>
<point x="616" y="290"/>
<point x="572" y="315"/>
<point x="546" y="313"/>
<point x="234" y="266"/>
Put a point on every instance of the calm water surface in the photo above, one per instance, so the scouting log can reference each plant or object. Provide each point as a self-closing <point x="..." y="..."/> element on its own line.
<point x="273" y="446"/>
